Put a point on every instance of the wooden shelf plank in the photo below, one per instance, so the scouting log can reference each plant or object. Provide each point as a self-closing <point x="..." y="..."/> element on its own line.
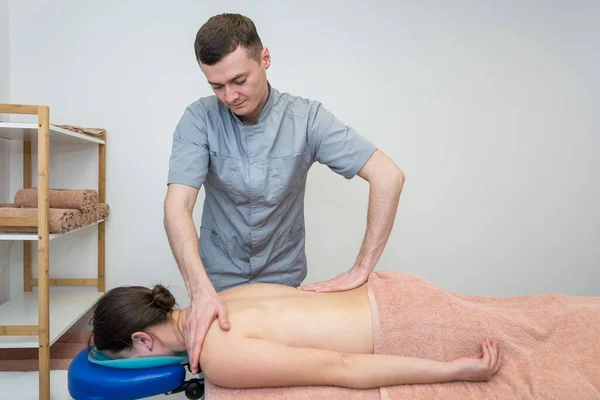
<point x="28" y="131"/>
<point x="34" y="236"/>
<point x="66" y="308"/>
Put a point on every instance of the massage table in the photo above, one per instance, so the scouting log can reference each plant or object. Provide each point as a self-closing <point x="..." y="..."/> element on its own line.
<point x="551" y="345"/>
<point x="92" y="376"/>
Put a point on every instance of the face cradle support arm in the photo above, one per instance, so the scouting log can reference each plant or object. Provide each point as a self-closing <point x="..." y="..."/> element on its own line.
<point x="193" y="388"/>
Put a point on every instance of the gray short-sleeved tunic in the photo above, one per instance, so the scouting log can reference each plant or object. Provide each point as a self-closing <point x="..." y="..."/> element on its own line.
<point x="252" y="227"/>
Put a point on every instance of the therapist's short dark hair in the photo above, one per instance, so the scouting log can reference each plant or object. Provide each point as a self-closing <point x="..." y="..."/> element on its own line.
<point x="222" y="34"/>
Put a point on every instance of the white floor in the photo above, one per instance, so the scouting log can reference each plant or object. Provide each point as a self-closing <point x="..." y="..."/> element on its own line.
<point x="24" y="386"/>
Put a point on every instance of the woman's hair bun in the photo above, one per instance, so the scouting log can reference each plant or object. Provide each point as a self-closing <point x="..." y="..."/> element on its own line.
<point x="162" y="298"/>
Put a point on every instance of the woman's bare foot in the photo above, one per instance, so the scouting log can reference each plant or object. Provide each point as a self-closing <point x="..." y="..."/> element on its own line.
<point x="482" y="367"/>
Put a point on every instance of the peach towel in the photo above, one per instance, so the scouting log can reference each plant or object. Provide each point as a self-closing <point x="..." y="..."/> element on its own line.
<point x="551" y="343"/>
<point x="60" y="220"/>
<point x="80" y="199"/>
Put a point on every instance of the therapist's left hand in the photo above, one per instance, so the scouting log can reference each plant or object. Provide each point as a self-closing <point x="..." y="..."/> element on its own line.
<point x="348" y="280"/>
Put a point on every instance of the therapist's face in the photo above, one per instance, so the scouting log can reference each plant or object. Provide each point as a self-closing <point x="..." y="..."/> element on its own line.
<point x="240" y="82"/>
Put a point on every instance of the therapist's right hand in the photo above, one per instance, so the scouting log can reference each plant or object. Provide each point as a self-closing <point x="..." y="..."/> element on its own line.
<point x="206" y="306"/>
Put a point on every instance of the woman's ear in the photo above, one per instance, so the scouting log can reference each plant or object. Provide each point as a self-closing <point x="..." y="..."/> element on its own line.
<point x="142" y="341"/>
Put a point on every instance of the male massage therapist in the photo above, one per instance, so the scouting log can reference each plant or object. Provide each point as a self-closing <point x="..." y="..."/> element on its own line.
<point x="251" y="147"/>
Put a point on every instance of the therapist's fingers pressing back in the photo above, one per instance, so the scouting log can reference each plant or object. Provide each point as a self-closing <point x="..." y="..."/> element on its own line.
<point x="201" y="314"/>
<point x="203" y="311"/>
<point x="223" y="316"/>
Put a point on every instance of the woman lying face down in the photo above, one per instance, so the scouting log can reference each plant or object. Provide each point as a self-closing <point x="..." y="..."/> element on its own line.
<point x="279" y="336"/>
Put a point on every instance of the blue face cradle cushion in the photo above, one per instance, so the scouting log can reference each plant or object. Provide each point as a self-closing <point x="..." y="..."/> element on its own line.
<point x="135" y="363"/>
<point x="94" y="376"/>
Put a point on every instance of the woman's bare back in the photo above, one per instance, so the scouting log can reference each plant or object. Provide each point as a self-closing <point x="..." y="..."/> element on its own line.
<point x="281" y="336"/>
<point x="339" y="321"/>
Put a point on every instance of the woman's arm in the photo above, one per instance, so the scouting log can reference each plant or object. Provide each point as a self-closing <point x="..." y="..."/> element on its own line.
<point x="252" y="363"/>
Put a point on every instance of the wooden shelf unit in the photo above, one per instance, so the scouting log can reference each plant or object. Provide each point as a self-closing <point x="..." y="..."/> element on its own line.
<point x="39" y="319"/>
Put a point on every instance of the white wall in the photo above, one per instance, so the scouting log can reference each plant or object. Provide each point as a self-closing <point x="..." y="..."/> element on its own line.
<point x="4" y="54"/>
<point x="488" y="107"/>
<point x="4" y="145"/>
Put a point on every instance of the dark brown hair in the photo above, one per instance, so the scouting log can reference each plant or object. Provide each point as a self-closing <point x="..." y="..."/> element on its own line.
<point x="222" y="34"/>
<point x="125" y="310"/>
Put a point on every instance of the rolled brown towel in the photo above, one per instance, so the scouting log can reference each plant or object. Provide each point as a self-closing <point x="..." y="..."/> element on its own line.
<point x="79" y="219"/>
<point x="60" y="220"/>
<point x="87" y="131"/>
<point x="103" y="210"/>
<point x="80" y="199"/>
<point x="89" y="217"/>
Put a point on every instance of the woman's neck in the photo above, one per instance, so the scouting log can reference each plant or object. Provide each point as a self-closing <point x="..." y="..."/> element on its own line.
<point x="177" y="318"/>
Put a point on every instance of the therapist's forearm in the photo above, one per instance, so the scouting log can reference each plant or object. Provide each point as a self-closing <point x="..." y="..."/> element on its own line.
<point x="384" y="196"/>
<point x="183" y="239"/>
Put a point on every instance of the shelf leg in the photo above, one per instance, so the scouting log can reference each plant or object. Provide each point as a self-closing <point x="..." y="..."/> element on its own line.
<point x="101" y="199"/>
<point x="43" y="248"/>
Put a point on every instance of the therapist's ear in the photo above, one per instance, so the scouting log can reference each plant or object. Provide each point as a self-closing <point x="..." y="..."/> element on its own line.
<point x="142" y="340"/>
<point x="266" y="58"/>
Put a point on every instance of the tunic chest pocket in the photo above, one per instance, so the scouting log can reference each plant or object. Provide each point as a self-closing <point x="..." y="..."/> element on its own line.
<point x="287" y="174"/>
<point x="229" y="175"/>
